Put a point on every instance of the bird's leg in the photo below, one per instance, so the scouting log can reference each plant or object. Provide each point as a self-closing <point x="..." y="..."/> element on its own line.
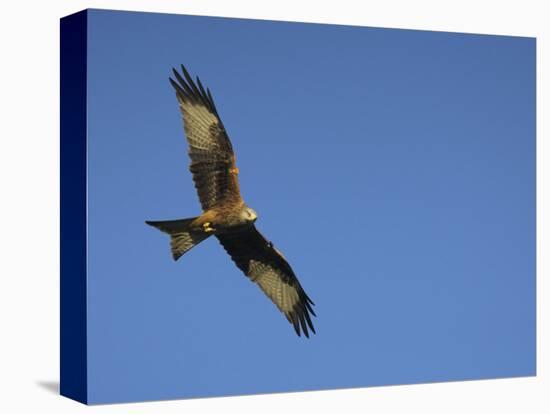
<point x="207" y="227"/>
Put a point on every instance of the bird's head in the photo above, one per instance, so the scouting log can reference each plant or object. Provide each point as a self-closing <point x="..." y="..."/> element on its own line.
<point x="249" y="215"/>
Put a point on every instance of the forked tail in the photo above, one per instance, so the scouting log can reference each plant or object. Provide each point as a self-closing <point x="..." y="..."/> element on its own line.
<point x="182" y="239"/>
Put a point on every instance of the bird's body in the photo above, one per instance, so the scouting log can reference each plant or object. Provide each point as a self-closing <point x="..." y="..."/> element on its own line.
<point x="225" y="218"/>
<point x="225" y="214"/>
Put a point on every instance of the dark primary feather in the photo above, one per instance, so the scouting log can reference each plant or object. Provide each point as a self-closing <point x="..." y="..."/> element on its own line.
<point x="264" y="265"/>
<point x="210" y="149"/>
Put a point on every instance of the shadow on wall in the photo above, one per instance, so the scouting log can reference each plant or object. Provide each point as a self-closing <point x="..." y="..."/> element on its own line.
<point x="51" y="386"/>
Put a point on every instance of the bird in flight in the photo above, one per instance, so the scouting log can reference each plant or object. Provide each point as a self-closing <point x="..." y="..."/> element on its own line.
<point x="225" y="214"/>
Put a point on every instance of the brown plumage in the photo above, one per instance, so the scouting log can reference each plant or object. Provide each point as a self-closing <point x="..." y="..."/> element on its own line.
<point x="225" y="214"/>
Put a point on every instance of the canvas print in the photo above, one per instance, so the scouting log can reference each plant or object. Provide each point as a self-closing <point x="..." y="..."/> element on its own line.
<point x="255" y="206"/>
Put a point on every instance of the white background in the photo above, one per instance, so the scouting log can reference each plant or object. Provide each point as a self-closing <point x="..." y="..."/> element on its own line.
<point x="29" y="206"/>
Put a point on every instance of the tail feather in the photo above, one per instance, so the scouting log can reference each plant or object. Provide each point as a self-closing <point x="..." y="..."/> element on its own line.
<point x="182" y="239"/>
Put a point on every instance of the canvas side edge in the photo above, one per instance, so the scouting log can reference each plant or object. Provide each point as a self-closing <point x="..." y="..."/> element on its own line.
<point x="73" y="202"/>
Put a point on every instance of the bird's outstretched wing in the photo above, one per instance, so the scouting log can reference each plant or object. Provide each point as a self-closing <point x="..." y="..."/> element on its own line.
<point x="264" y="265"/>
<point x="212" y="158"/>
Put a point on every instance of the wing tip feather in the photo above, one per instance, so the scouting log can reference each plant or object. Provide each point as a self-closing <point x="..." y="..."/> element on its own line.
<point x="300" y="317"/>
<point x="187" y="88"/>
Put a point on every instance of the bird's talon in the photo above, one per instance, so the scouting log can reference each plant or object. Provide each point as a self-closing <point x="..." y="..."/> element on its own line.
<point x="207" y="227"/>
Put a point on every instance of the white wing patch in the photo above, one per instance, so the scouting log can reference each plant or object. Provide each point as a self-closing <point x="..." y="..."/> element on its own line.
<point x="198" y="121"/>
<point x="270" y="281"/>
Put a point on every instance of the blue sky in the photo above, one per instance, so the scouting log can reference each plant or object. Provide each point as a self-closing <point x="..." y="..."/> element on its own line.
<point x="395" y="169"/>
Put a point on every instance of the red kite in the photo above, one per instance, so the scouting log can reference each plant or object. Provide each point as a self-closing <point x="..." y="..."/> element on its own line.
<point x="225" y="214"/>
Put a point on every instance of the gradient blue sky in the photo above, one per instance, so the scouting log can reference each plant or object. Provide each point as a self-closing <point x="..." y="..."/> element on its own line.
<point x="394" y="168"/>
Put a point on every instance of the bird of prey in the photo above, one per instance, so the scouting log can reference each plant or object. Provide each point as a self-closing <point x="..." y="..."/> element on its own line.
<point x="225" y="214"/>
